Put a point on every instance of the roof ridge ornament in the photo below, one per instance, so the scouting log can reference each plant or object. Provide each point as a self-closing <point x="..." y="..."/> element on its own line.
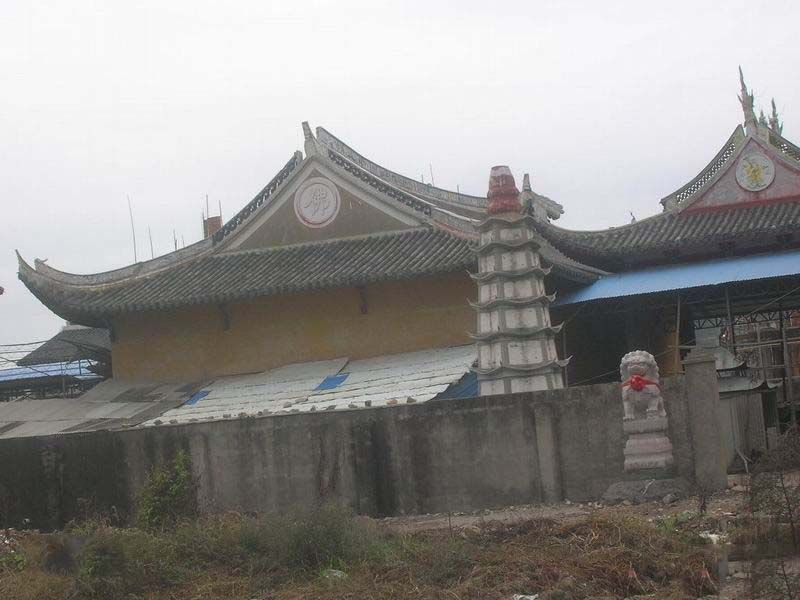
<point x="526" y="183"/>
<point x="310" y="145"/>
<point x="774" y="121"/>
<point x="527" y="198"/>
<point x="747" y="100"/>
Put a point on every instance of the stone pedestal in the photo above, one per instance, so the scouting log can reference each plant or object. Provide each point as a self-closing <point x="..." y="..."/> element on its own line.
<point x="647" y="446"/>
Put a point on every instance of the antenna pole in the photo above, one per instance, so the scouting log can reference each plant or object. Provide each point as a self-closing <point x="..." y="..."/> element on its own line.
<point x="430" y="166"/>
<point x="133" y="231"/>
<point x="175" y="239"/>
<point x="150" y="235"/>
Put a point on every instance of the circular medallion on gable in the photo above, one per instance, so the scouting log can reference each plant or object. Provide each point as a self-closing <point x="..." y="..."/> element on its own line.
<point x="755" y="172"/>
<point x="316" y="202"/>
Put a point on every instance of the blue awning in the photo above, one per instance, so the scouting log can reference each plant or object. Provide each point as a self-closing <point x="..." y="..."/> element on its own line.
<point x="686" y="276"/>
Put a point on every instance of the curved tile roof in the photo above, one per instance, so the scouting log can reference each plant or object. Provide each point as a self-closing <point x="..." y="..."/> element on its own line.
<point x="225" y="277"/>
<point x="233" y="276"/>
<point x="668" y="235"/>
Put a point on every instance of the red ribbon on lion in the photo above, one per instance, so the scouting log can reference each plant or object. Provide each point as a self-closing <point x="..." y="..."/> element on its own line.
<point x="637" y="383"/>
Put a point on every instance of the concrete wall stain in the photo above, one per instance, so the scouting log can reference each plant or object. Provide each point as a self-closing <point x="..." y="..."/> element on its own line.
<point x="419" y="447"/>
<point x="381" y="469"/>
<point x="49" y="481"/>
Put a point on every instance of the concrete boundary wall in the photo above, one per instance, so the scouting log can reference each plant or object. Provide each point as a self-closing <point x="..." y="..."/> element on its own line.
<point x="459" y="454"/>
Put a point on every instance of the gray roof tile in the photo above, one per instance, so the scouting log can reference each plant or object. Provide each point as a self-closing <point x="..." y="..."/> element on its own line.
<point x="231" y="276"/>
<point x="664" y="237"/>
<point x="225" y="277"/>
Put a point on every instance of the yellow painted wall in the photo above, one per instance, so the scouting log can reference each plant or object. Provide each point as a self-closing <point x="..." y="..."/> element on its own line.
<point x="191" y="344"/>
<point x="662" y="340"/>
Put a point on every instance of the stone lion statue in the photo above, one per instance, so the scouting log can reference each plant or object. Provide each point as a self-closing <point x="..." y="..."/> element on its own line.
<point x="641" y="390"/>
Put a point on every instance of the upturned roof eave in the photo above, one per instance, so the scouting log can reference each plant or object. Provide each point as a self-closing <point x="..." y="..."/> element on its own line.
<point x="97" y="306"/>
<point x="171" y="259"/>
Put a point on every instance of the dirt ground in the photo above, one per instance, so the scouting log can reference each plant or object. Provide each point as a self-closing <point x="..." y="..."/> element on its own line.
<point x="725" y="506"/>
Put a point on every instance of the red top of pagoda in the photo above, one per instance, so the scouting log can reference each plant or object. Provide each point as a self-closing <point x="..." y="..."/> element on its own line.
<point x="503" y="193"/>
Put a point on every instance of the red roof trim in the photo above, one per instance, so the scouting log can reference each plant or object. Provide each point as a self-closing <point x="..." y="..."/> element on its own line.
<point x="737" y="205"/>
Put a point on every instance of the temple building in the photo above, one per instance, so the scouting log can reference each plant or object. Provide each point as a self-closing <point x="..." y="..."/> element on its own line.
<point x="343" y="284"/>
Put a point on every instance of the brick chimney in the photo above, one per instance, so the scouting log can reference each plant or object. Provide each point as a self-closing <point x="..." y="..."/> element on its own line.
<point x="211" y="225"/>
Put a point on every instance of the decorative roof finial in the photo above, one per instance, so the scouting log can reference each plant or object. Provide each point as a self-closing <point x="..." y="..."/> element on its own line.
<point x="310" y="143"/>
<point x="774" y="122"/>
<point x="747" y="100"/>
<point x="526" y="183"/>
<point x="503" y="193"/>
<point x="762" y="118"/>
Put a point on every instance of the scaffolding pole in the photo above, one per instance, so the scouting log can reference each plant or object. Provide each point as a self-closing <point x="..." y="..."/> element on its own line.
<point x="564" y="353"/>
<point x="730" y="319"/>
<point x="788" y="391"/>
<point x="678" y="335"/>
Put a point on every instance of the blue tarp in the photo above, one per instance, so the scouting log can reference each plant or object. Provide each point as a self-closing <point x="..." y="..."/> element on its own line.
<point x="466" y="387"/>
<point x="196" y="397"/>
<point x="331" y="382"/>
<point x="681" y="277"/>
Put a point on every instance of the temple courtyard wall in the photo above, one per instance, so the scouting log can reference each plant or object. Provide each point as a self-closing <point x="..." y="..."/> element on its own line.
<point x="439" y="456"/>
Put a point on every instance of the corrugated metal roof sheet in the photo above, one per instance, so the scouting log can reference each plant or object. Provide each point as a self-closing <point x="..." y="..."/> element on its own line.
<point x="74" y="342"/>
<point x="96" y="409"/>
<point x="78" y="369"/>
<point x="114" y="404"/>
<point x="681" y="277"/>
<point x="328" y="385"/>
<point x="740" y="383"/>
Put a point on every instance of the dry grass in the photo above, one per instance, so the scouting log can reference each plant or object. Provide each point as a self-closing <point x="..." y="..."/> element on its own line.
<point x="288" y="558"/>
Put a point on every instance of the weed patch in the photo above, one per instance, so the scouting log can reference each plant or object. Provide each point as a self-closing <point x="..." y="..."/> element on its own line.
<point x="287" y="557"/>
<point x="168" y="495"/>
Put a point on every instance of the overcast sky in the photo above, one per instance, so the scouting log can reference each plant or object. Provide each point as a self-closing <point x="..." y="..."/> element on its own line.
<point x="610" y="109"/>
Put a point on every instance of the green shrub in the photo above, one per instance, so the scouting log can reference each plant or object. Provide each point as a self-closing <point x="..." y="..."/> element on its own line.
<point x="169" y="494"/>
<point x="103" y="556"/>
<point x="13" y="561"/>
